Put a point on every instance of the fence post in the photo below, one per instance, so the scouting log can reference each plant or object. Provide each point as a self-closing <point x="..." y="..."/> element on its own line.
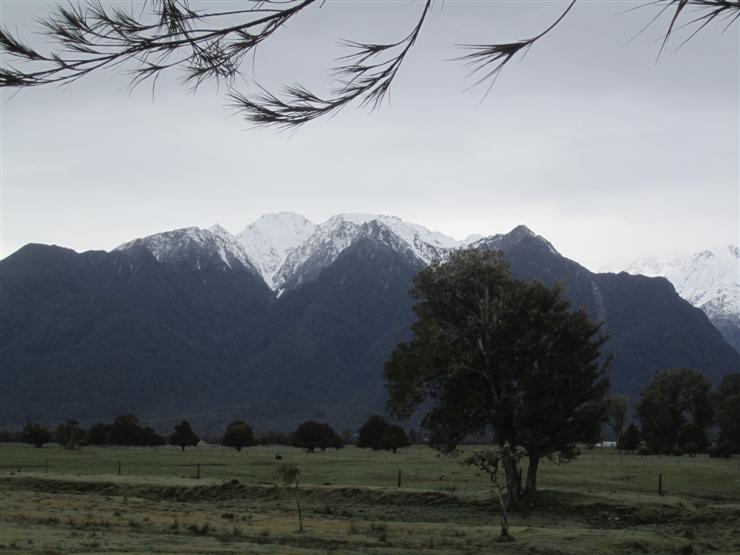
<point x="660" y="484"/>
<point x="399" y="477"/>
<point x="47" y="466"/>
<point x="119" y="468"/>
<point x="197" y="472"/>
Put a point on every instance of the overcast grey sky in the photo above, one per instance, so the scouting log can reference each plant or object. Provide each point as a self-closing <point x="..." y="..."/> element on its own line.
<point x="588" y="141"/>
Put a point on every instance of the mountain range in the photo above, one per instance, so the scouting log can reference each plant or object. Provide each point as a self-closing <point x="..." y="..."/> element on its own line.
<point x="285" y="321"/>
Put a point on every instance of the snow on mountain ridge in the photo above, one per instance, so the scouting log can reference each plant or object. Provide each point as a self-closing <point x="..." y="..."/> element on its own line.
<point x="287" y="249"/>
<point x="338" y="232"/>
<point x="708" y="279"/>
<point x="269" y="240"/>
<point x="175" y="245"/>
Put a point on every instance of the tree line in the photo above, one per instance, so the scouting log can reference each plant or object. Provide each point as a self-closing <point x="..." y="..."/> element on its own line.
<point x="126" y="430"/>
<point x="679" y="413"/>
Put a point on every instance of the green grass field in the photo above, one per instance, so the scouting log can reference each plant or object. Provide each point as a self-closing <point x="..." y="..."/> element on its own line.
<point x="59" y="501"/>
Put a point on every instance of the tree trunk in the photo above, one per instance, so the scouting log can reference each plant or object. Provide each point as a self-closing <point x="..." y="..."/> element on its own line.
<point x="512" y="491"/>
<point x="504" y="536"/>
<point x="534" y="461"/>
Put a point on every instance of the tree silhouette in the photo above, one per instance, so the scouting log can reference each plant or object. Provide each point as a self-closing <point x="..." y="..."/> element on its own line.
<point x="238" y="435"/>
<point x="184" y="436"/>
<point x="371" y="432"/>
<point x="212" y="45"/>
<point x="35" y="434"/>
<point x="312" y="435"/>
<point x="673" y="398"/>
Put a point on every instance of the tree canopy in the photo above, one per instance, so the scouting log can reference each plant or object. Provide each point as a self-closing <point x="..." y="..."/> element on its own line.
<point x="238" y="435"/>
<point x="212" y="44"/>
<point x="727" y="401"/>
<point x="673" y="397"/>
<point x="35" y="434"/>
<point x="378" y="434"/>
<point x="371" y="431"/>
<point x="493" y="355"/>
<point x="312" y="435"/>
<point x="184" y="436"/>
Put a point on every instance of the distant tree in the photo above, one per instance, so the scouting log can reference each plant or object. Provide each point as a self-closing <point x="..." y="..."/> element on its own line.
<point x="335" y="440"/>
<point x="629" y="440"/>
<point x="311" y="435"/>
<point x="371" y="432"/>
<point x="147" y="437"/>
<point x="184" y="436"/>
<point x="501" y="357"/>
<point x="125" y="430"/>
<point x="6" y="436"/>
<point x="35" y="434"/>
<point x="290" y="474"/>
<point x="164" y="34"/>
<point x="393" y="439"/>
<point x="692" y="439"/>
<point x="68" y="434"/>
<point x="238" y="435"/>
<point x="672" y="399"/>
<point x="727" y="407"/>
<point x="617" y="414"/>
<point x="98" y="434"/>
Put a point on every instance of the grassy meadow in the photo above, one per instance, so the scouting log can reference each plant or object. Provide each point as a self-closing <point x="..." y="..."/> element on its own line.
<point x="54" y="500"/>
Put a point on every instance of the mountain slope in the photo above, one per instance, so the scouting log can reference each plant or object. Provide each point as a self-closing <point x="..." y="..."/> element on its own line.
<point x="96" y="333"/>
<point x="650" y="326"/>
<point x="323" y="348"/>
<point x="709" y="280"/>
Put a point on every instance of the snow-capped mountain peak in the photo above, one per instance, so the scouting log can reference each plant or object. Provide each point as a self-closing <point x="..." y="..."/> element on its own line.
<point x="337" y="233"/>
<point x="181" y="244"/>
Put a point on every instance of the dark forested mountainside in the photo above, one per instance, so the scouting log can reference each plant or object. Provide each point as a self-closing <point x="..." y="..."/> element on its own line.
<point x="199" y="335"/>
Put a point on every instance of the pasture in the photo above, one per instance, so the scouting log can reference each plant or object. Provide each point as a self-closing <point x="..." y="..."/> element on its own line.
<point x="60" y="501"/>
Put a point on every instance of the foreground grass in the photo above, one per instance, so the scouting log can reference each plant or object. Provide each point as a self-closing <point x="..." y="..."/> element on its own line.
<point x="601" y="503"/>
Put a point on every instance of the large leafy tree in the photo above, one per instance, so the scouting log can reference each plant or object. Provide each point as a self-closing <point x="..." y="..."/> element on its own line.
<point x="499" y="357"/>
<point x="560" y="381"/>
<point x="212" y="44"/>
<point x="673" y="398"/>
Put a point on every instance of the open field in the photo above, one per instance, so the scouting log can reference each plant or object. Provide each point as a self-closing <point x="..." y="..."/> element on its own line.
<point x="601" y="503"/>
